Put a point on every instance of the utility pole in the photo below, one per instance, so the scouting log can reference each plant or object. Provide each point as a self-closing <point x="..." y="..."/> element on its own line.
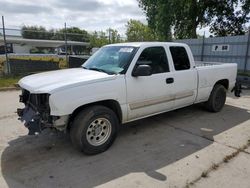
<point x="247" y="49"/>
<point x="109" y="36"/>
<point x="203" y="46"/>
<point x="66" y="44"/>
<point x="5" y="47"/>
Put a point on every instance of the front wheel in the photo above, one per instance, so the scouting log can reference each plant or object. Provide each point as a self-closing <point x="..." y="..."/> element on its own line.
<point x="217" y="99"/>
<point x="94" y="129"/>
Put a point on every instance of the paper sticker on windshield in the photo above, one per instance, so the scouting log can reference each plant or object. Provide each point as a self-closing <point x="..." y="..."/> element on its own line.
<point x="127" y="50"/>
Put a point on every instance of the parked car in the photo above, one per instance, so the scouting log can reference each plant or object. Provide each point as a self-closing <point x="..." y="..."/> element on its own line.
<point x="121" y="83"/>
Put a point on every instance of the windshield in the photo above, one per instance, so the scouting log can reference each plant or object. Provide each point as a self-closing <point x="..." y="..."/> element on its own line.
<point x="111" y="59"/>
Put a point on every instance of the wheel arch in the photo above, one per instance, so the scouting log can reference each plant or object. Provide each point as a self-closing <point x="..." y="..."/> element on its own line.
<point x="224" y="82"/>
<point x="110" y="103"/>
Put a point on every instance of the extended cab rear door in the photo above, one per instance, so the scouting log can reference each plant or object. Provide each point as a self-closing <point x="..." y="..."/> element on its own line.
<point x="147" y="95"/>
<point x="185" y="75"/>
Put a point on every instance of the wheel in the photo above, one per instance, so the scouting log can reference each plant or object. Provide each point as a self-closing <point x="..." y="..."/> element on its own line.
<point x="216" y="99"/>
<point x="94" y="129"/>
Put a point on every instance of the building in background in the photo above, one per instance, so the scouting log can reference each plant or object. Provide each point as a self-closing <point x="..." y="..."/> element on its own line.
<point x="18" y="45"/>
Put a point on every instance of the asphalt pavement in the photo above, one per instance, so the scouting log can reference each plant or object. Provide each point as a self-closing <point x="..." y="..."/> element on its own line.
<point x="189" y="147"/>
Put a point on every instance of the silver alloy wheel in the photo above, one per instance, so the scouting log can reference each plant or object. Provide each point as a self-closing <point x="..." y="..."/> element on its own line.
<point x="98" y="131"/>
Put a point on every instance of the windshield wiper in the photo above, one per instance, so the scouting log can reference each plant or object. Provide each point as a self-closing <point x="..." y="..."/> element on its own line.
<point x="99" y="70"/>
<point x="84" y="67"/>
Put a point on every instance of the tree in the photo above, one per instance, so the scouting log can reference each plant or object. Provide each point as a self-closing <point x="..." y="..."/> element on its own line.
<point x="137" y="31"/>
<point x="230" y="17"/>
<point x="39" y="32"/>
<point x="184" y="17"/>
<point x="73" y="34"/>
<point x="188" y="15"/>
<point x="159" y="16"/>
<point x="101" y="38"/>
<point x="98" y="39"/>
<point x="114" y="36"/>
<point x="36" y="32"/>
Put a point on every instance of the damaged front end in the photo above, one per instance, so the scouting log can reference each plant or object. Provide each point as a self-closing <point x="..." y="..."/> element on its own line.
<point x="36" y="114"/>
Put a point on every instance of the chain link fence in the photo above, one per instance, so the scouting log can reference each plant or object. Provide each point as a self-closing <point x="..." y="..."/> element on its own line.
<point x="36" y="49"/>
<point x="30" y="51"/>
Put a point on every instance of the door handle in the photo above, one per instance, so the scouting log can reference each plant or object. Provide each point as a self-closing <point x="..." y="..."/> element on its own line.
<point x="170" y="80"/>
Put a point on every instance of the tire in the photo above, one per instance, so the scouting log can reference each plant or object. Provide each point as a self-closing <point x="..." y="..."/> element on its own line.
<point x="94" y="129"/>
<point x="216" y="99"/>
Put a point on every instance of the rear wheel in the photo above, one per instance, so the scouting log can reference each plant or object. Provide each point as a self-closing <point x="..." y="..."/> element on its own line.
<point x="217" y="99"/>
<point x="94" y="129"/>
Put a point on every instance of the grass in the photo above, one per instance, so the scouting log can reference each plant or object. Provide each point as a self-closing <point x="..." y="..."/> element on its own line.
<point x="214" y="166"/>
<point x="204" y="174"/>
<point x="234" y="154"/>
<point x="242" y="73"/>
<point x="52" y="58"/>
<point x="8" y="81"/>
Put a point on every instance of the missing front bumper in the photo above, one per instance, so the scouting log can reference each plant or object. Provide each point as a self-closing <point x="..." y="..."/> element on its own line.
<point x="31" y="120"/>
<point x="35" y="123"/>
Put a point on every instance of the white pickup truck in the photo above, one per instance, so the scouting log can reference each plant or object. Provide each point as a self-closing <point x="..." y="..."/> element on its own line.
<point x="118" y="84"/>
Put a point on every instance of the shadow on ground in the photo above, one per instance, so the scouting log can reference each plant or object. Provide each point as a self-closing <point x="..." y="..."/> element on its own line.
<point x="142" y="146"/>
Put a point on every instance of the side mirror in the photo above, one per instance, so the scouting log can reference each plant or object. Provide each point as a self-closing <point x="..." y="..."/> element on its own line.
<point x="142" y="70"/>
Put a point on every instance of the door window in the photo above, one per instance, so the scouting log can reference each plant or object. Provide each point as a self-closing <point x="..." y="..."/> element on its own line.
<point x="155" y="57"/>
<point x="180" y="58"/>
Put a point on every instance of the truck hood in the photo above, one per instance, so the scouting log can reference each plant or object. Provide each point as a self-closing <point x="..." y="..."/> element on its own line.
<point x="49" y="82"/>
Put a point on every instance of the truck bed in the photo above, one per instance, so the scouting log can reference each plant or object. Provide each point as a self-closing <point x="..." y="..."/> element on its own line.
<point x="204" y="64"/>
<point x="209" y="73"/>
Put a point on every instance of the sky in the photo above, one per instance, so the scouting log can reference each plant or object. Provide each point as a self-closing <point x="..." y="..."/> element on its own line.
<point x="90" y="15"/>
<point x="87" y="14"/>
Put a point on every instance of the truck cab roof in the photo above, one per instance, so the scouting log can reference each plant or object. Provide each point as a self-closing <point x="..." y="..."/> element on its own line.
<point x="143" y="44"/>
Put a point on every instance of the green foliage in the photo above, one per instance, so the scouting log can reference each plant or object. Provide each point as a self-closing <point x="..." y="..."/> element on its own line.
<point x="98" y="39"/>
<point x="114" y="36"/>
<point x="137" y="31"/>
<point x="101" y="38"/>
<point x="39" y="32"/>
<point x="8" y="81"/>
<point x="244" y="73"/>
<point x="73" y="34"/>
<point x="188" y="15"/>
<point x="229" y="17"/>
<point x="36" y="32"/>
<point x="224" y="17"/>
<point x="160" y="17"/>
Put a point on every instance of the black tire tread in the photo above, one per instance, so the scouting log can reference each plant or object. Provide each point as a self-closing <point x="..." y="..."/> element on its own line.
<point x="210" y="106"/>
<point x="81" y="120"/>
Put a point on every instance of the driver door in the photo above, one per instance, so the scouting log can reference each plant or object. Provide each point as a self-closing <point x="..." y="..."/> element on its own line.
<point x="147" y="95"/>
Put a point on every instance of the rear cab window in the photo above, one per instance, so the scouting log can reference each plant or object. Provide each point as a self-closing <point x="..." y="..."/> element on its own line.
<point x="180" y="58"/>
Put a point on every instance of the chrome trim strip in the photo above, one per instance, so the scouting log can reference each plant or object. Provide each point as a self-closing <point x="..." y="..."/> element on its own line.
<point x="136" y="105"/>
<point x="184" y="95"/>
